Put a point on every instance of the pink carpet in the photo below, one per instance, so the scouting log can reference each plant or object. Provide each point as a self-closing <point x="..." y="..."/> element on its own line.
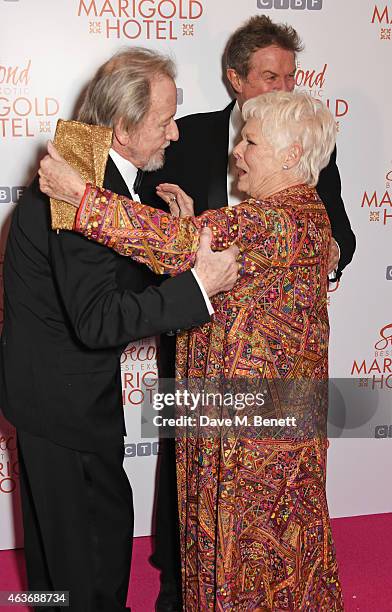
<point x="363" y="545"/>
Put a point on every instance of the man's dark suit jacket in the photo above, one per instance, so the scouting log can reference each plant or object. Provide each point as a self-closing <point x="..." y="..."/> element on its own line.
<point x="71" y="306"/>
<point x="198" y="163"/>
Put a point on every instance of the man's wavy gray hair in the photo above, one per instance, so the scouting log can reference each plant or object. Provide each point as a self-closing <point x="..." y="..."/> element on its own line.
<point x="295" y="117"/>
<point x="121" y="87"/>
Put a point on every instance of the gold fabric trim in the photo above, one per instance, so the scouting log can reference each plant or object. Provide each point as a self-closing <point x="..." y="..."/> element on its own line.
<point x="86" y="148"/>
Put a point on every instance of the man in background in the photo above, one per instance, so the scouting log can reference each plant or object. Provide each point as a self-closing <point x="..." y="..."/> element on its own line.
<point x="260" y="57"/>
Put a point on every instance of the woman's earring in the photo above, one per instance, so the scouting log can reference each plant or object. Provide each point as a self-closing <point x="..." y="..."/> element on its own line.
<point x="285" y="167"/>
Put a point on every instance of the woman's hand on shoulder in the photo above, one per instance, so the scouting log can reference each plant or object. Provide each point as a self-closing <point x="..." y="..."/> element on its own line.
<point x="58" y="179"/>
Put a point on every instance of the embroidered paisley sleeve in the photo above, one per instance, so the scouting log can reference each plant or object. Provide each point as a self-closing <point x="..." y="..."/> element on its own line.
<point x="165" y="243"/>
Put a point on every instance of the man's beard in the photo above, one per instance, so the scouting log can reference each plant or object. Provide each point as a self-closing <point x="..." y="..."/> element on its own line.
<point x="156" y="161"/>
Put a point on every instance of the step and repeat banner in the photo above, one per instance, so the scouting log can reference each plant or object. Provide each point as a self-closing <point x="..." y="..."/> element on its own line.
<point x="49" y="51"/>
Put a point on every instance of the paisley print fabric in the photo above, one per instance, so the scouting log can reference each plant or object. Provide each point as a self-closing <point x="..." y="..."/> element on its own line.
<point x="255" y="530"/>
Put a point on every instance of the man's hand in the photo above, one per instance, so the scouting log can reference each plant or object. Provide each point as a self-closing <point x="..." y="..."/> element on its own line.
<point x="334" y="255"/>
<point x="218" y="271"/>
<point x="59" y="180"/>
<point x="180" y="203"/>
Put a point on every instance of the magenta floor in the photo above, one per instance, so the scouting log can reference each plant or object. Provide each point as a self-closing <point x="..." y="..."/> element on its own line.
<point x="363" y="545"/>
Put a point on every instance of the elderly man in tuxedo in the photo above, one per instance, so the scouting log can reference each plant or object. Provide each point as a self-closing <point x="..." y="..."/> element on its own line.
<point x="260" y="57"/>
<point x="71" y="307"/>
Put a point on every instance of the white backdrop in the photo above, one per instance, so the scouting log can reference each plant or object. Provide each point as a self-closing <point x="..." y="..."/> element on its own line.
<point x="49" y="50"/>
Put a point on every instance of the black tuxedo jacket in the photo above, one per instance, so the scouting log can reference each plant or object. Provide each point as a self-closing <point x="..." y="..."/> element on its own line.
<point x="71" y="306"/>
<point x="198" y="163"/>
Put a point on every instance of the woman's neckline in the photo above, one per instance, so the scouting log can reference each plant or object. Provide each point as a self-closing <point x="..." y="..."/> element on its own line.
<point x="297" y="189"/>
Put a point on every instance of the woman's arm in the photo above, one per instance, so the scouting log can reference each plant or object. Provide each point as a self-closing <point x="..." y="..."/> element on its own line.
<point x="165" y="243"/>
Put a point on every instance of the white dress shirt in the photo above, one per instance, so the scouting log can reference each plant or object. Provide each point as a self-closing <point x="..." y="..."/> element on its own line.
<point x="127" y="170"/>
<point x="235" y="126"/>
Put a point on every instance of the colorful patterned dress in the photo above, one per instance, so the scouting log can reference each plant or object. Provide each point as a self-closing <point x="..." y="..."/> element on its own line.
<point x="254" y="522"/>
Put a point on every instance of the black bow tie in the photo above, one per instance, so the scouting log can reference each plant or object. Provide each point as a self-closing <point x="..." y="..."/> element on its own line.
<point x="138" y="181"/>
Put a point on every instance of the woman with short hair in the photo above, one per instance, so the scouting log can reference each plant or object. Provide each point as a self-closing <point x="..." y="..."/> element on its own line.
<point x="255" y="530"/>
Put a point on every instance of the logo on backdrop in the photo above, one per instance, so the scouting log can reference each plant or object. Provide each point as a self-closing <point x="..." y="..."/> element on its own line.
<point x="23" y="114"/>
<point x="383" y="431"/>
<point x="11" y="195"/>
<point x="139" y="373"/>
<point x="9" y="465"/>
<point x="377" y="368"/>
<point x="389" y="273"/>
<point x="313" y="81"/>
<point x="141" y="449"/>
<point x="332" y="288"/>
<point x="382" y="17"/>
<point x="378" y="203"/>
<point x="141" y="19"/>
<point x="296" y="5"/>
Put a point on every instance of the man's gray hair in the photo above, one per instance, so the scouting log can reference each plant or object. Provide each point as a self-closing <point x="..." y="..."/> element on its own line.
<point x="295" y="117"/>
<point x="121" y="88"/>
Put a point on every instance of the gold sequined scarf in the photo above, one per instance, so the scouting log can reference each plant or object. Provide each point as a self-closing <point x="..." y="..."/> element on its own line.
<point x="86" y="148"/>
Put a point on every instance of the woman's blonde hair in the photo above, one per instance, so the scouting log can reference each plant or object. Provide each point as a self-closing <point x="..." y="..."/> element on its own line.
<point x="121" y="88"/>
<point x="295" y="117"/>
